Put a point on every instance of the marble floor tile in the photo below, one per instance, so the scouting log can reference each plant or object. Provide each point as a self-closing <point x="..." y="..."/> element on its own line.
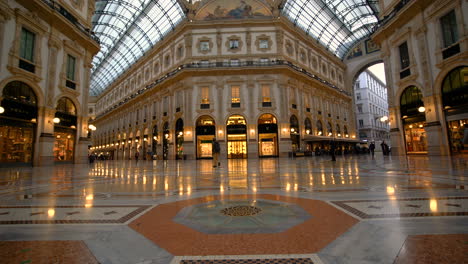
<point x="362" y="210"/>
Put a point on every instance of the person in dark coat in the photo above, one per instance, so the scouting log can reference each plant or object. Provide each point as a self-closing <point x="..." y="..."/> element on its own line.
<point x="372" y="148"/>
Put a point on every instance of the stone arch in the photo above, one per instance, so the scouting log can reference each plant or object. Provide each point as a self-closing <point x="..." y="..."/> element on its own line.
<point x="71" y="98"/>
<point x="443" y="73"/>
<point x="36" y="89"/>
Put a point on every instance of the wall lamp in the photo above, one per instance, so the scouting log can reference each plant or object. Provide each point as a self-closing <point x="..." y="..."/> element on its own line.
<point x="2" y="110"/>
<point x="56" y="120"/>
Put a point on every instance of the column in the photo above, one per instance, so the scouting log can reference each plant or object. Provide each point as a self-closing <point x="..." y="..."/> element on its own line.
<point x="81" y="148"/>
<point x="45" y="143"/>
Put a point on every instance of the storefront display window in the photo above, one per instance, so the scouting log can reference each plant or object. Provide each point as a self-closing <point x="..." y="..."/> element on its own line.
<point x="64" y="145"/>
<point x="237" y="137"/>
<point x="458" y="135"/>
<point x="415" y="136"/>
<point x="267" y="136"/>
<point x="16" y="144"/>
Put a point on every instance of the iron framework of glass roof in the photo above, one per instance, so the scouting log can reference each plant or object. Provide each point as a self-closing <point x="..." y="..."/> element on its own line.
<point x="126" y="30"/>
<point x="336" y="24"/>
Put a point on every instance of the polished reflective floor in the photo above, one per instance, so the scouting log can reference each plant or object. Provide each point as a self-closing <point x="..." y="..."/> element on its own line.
<point x="302" y="210"/>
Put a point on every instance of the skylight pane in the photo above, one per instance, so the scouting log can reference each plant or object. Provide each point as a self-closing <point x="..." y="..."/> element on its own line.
<point x="330" y="21"/>
<point x="148" y="21"/>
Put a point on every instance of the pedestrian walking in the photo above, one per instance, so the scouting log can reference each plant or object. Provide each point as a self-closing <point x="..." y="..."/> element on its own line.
<point x="372" y="148"/>
<point x="137" y="154"/>
<point x="216" y="149"/>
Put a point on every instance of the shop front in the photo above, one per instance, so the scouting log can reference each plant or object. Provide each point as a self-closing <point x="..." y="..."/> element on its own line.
<point x="455" y="105"/>
<point x="267" y="136"/>
<point x="179" y="136"/>
<point x="294" y="133"/>
<point x="413" y="118"/>
<point x="65" y="122"/>
<point x="18" y="118"/>
<point x="165" y="141"/>
<point x="154" y="145"/>
<point x="205" y="132"/>
<point x="236" y="131"/>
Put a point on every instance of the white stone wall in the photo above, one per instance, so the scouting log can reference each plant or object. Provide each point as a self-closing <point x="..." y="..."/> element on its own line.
<point x="52" y="46"/>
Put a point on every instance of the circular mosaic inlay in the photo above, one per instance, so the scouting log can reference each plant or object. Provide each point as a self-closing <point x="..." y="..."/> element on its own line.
<point x="241" y="210"/>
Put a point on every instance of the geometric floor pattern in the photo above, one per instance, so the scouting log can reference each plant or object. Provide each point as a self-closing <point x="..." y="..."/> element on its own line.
<point x="250" y="261"/>
<point x="357" y="210"/>
<point x="410" y="207"/>
<point x="117" y="214"/>
<point x="45" y="252"/>
<point x="440" y="249"/>
<point x="308" y="236"/>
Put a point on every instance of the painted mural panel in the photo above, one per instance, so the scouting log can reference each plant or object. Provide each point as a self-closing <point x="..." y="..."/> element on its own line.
<point x="233" y="9"/>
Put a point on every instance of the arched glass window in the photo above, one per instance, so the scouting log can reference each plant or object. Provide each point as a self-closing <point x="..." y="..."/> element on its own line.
<point x="308" y="126"/>
<point x="329" y="129"/>
<point x="410" y="101"/>
<point x="338" y="130"/>
<point x="455" y="88"/>
<point x="65" y="105"/>
<point x="319" y="128"/>
<point x="20" y="92"/>
<point x="294" y="124"/>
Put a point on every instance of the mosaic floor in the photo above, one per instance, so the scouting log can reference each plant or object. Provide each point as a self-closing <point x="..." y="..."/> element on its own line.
<point x="304" y="210"/>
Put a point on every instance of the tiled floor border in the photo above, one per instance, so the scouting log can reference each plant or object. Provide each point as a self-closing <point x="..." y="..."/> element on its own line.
<point x="302" y="189"/>
<point x="362" y="215"/>
<point x="313" y="257"/>
<point x="123" y="219"/>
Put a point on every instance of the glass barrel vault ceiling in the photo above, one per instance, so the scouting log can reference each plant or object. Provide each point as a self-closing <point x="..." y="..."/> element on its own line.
<point x="126" y="30"/>
<point x="336" y="24"/>
<point x="129" y="28"/>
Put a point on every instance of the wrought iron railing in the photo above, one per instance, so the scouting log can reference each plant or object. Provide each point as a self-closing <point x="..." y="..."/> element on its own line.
<point x="63" y="11"/>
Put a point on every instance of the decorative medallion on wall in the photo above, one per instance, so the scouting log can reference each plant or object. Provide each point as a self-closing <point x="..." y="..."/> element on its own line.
<point x="156" y="67"/>
<point x="355" y="52"/>
<point x="314" y="63"/>
<point x="167" y="60"/>
<point x="371" y="46"/>
<point x="302" y="56"/>
<point x="180" y="51"/>
<point x="233" y="9"/>
<point x="289" y="48"/>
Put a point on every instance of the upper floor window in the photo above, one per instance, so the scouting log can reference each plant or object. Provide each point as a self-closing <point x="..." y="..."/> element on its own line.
<point x="266" y="93"/>
<point x="234" y="44"/>
<point x="358" y="96"/>
<point x="27" y="45"/>
<point x="235" y="94"/>
<point x="71" y="64"/>
<point x="361" y="123"/>
<point x="204" y="45"/>
<point x="404" y="55"/>
<point x="205" y="95"/>
<point x="449" y="28"/>
<point x="357" y="85"/>
<point x="263" y="44"/>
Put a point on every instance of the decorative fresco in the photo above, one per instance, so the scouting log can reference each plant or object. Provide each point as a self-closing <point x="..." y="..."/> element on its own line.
<point x="371" y="46"/>
<point x="355" y="52"/>
<point x="233" y="9"/>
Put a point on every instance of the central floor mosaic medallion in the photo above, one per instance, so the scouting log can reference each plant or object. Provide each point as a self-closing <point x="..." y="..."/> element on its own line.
<point x="242" y="216"/>
<point x="241" y="210"/>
